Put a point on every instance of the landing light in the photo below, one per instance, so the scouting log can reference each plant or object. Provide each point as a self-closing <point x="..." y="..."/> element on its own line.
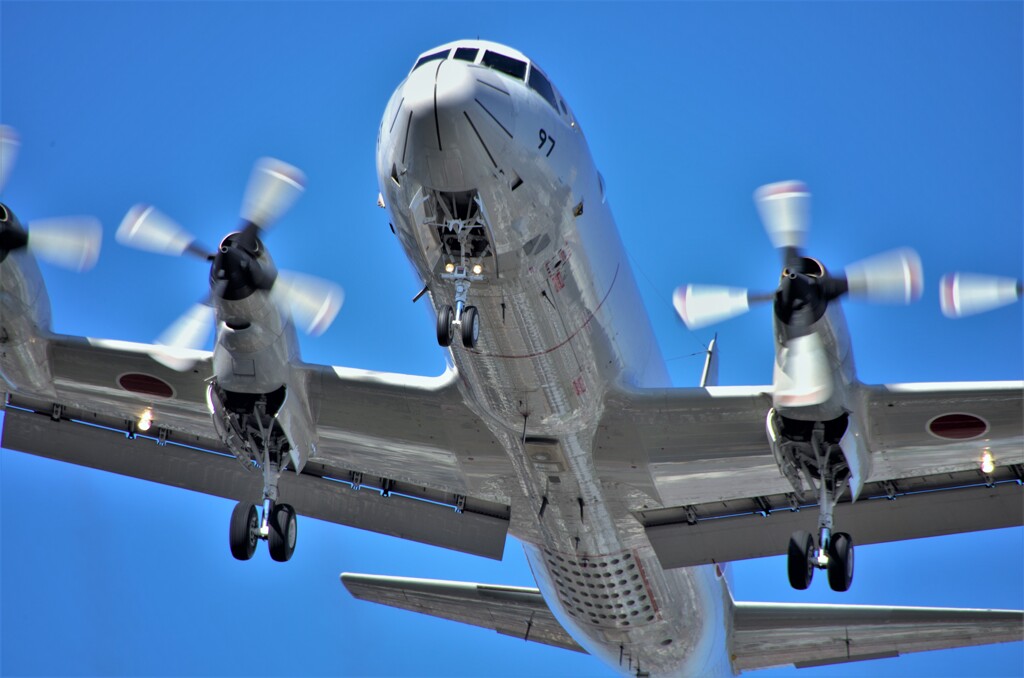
<point x="987" y="464"/>
<point x="477" y="269"/>
<point x="449" y="267"/>
<point x="145" y="421"/>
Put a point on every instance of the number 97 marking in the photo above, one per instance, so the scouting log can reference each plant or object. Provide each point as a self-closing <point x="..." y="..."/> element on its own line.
<point x="544" y="138"/>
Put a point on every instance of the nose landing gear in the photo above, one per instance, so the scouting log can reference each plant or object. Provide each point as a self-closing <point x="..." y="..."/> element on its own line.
<point x="464" y="319"/>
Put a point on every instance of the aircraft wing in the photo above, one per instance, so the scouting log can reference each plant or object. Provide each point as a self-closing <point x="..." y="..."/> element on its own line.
<point x="429" y="469"/>
<point x="776" y="634"/>
<point x="510" y="610"/>
<point x="715" y="493"/>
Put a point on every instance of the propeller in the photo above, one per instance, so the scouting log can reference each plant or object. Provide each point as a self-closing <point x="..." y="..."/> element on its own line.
<point x="963" y="294"/>
<point x="70" y="242"/>
<point x="237" y="269"/>
<point x="803" y="371"/>
<point x="805" y="287"/>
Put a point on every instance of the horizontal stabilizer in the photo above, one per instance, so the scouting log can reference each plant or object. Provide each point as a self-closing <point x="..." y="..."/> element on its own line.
<point x="510" y="610"/>
<point x="777" y="634"/>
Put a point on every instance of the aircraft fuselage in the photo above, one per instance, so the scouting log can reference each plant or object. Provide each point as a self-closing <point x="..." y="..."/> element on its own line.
<point x="561" y="320"/>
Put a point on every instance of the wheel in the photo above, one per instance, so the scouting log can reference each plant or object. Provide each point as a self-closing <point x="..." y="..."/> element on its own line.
<point x="470" y="327"/>
<point x="243" y="532"/>
<point x="801" y="564"/>
<point x="283" y="530"/>
<point x="840" y="562"/>
<point x="445" y="325"/>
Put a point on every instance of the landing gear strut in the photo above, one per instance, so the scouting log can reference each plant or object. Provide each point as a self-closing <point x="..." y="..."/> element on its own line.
<point x="823" y="466"/>
<point x="259" y="444"/>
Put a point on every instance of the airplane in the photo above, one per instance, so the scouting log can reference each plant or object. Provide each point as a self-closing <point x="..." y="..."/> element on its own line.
<point x="555" y="421"/>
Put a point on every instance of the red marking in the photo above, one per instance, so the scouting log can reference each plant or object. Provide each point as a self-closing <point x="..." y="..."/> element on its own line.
<point x="948" y="286"/>
<point x="647" y="584"/>
<point x="957" y="426"/>
<point x="145" y="384"/>
<point x="564" y="341"/>
<point x="556" y="279"/>
<point x="785" y="187"/>
<point x="579" y="385"/>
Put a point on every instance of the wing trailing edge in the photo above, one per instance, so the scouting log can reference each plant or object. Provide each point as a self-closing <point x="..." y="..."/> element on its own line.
<point x="778" y="634"/>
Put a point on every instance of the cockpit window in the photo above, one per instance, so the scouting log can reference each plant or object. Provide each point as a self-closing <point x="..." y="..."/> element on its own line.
<point x="431" y="57"/>
<point x="466" y="53"/>
<point x="507" y="65"/>
<point x="539" y="82"/>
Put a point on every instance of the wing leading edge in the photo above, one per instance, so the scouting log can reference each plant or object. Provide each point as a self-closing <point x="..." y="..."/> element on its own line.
<point x="514" y="611"/>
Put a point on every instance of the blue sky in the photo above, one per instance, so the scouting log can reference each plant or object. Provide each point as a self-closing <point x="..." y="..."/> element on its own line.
<point x="904" y="119"/>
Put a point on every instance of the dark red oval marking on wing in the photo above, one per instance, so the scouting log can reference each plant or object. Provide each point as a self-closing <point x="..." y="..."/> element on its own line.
<point x="957" y="426"/>
<point x="145" y="384"/>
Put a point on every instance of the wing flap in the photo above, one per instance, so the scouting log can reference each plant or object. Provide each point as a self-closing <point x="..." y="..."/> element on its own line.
<point x="777" y="634"/>
<point x="476" y="532"/>
<point x="510" y="610"/>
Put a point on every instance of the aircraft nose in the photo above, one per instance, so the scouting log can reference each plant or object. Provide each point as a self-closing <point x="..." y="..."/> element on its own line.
<point x="455" y="112"/>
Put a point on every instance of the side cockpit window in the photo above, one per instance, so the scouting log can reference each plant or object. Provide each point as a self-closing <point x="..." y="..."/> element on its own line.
<point x="539" y="83"/>
<point x="443" y="54"/>
<point x="505" y="64"/>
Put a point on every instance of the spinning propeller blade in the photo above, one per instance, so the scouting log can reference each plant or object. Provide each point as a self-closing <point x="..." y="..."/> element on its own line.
<point x="273" y="188"/>
<point x="893" y="277"/>
<point x="71" y="242"/>
<point x="184" y="337"/>
<point x="9" y="144"/>
<point x="701" y="305"/>
<point x="963" y="294"/>
<point x="785" y="212"/>
<point x="147" y="228"/>
<point x="312" y="302"/>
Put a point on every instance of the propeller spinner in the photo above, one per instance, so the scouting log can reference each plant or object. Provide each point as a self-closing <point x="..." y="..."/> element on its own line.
<point x="239" y="266"/>
<point x="70" y="242"/>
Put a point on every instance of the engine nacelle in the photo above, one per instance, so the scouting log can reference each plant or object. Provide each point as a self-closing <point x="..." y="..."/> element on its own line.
<point x="24" y="322"/>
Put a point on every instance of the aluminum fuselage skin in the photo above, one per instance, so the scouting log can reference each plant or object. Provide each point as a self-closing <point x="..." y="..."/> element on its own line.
<point x="561" y="322"/>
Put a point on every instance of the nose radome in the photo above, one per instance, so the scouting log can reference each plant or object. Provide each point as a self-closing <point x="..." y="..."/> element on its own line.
<point x="453" y="109"/>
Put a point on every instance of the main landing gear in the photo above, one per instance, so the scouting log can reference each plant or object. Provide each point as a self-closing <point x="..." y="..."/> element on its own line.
<point x="464" y="319"/>
<point x="278" y="528"/>
<point x="806" y="453"/>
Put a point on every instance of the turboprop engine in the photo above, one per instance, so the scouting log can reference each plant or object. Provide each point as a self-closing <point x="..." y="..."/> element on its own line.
<point x="814" y="427"/>
<point x="70" y="242"/>
<point x="258" y="399"/>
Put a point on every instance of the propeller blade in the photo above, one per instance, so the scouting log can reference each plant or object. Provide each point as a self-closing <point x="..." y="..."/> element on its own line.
<point x="273" y="187"/>
<point x="893" y="277"/>
<point x="701" y="305"/>
<point x="802" y="373"/>
<point x="9" y="144"/>
<point x="312" y="302"/>
<point x="963" y="294"/>
<point x="71" y="242"/>
<point x="187" y="335"/>
<point x="147" y="228"/>
<point x="785" y="212"/>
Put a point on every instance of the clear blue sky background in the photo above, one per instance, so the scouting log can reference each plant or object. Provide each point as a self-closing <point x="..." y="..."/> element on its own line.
<point x="904" y="118"/>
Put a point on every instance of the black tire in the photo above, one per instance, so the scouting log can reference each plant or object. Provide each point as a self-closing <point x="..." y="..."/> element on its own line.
<point x="445" y="326"/>
<point x="283" y="531"/>
<point x="801" y="567"/>
<point x="243" y="531"/>
<point x="840" y="562"/>
<point x="470" y="327"/>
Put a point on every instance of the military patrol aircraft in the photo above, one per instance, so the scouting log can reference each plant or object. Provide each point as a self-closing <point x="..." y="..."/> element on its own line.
<point x="555" y="421"/>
